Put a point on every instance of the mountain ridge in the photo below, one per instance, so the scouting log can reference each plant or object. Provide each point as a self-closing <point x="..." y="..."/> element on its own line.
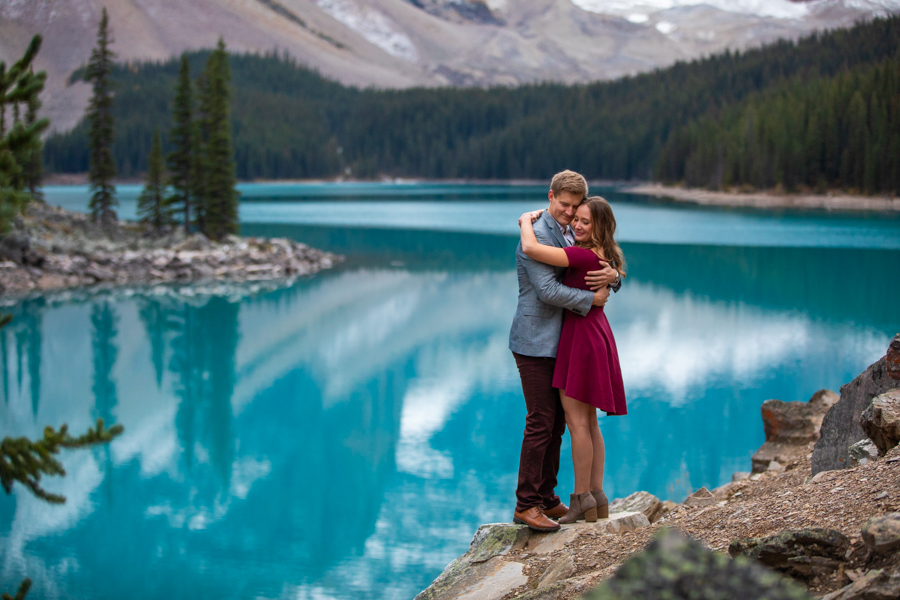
<point x="409" y="43"/>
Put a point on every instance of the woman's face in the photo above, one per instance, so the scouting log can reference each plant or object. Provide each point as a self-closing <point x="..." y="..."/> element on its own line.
<point x="582" y="225"/>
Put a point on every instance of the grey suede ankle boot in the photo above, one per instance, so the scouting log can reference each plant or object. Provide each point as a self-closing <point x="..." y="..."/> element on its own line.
<point x="602" y="503"/>
<point x="581" y="506"/>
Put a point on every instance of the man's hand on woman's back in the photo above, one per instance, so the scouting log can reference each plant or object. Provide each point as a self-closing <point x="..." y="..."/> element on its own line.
<point x="601" y="279"/>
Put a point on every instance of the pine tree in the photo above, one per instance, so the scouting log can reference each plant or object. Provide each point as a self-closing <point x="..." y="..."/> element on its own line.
<point x="221" y="197"/>
<point x="19" y="86"/>
<point x="34" y="170"/>
<point x="201" y="170"/>
<point x="102" y="165"/>
<point x="182" y="159"/>
<point x="151" y="206"/>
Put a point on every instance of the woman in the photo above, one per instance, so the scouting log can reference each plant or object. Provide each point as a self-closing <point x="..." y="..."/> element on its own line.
<point x="587" y="371"/>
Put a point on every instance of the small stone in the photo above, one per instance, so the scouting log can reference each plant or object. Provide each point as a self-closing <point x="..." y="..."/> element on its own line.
<point x="881" y="420"/>
<point x="701" y="498"/>
<point x="863" y="452"/>
<point x="740" y="476"/>
<point x="892" y="359"/>
<point x="881" y="496"/>
<point x="874" y="585"/>
<point x="819" y="476"/>
<point x="643" y="502"/>
<point x="882" y="534"/>
<point x="622" y="523"/>
<point x="563" y="568"/>
<point x="775" y="467"/>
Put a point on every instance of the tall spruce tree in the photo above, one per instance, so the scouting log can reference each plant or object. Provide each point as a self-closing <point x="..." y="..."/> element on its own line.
<point x="151" y="206"/>
<point x="219" y="193"/>
<point x="19" y="86"/>
<point x="182" y="160"/>
<point x="34" y="170"/>
<point x="201" y="130"/>
<point x="102" y="165"/>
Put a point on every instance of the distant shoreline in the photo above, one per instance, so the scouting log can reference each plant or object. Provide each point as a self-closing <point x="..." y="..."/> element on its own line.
<point x="768" y="200"/>
<point x="763" y="200"/>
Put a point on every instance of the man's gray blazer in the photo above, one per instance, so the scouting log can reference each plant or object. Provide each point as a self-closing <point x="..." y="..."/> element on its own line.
<point x="542" y="298"/>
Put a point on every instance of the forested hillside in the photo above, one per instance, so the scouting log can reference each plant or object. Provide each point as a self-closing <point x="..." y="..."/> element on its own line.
<point x="828" y="102"/>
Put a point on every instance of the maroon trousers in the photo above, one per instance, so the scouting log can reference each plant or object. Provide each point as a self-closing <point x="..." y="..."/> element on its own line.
<point x="545" y="425"/>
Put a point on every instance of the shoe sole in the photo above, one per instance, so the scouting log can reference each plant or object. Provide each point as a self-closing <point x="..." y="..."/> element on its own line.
<point x="521" y="522"/>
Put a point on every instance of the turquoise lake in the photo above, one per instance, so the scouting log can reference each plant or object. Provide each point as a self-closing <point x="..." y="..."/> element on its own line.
<point x="345" y="436"/>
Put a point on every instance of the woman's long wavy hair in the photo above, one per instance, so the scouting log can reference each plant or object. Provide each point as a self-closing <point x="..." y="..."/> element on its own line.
<point x="603" y="232"/>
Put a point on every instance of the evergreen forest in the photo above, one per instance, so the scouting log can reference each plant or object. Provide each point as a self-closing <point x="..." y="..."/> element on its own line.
<point x="819" y="113"/>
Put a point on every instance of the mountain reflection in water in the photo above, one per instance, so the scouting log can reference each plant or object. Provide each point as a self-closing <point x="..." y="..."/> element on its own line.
<point x="344" y="437"/>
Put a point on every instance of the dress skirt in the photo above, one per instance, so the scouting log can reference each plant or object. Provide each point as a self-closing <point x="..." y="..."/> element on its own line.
<point x="587" y="362"/>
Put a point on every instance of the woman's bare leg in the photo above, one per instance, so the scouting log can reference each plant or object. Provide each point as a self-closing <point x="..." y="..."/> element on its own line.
<point x="599" y="457"/>
<point x="578" y="418"/>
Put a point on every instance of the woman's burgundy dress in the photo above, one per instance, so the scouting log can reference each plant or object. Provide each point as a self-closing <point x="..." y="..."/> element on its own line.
<point x="587" y="363"/>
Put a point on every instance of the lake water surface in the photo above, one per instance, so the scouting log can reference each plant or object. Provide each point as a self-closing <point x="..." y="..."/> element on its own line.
<point x="344" y="437"/>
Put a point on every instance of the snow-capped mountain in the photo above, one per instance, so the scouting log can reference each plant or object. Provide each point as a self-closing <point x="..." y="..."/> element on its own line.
<point x="402" y="43"/>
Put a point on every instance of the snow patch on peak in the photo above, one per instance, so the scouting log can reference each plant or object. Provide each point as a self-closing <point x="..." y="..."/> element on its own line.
<point x="373" y="25"/>
<point x="780" y="9"/>
<point x="665" y="27"/>
<point x="878" y="7"/>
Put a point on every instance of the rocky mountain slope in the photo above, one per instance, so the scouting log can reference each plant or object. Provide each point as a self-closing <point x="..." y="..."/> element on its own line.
<point x="402" y="43"/>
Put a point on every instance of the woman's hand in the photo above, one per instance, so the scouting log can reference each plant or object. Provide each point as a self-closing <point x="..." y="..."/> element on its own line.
<point x="531" y="216"/>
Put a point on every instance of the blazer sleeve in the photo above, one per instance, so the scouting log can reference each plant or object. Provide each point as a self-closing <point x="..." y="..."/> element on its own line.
<point x="548" y="289"/>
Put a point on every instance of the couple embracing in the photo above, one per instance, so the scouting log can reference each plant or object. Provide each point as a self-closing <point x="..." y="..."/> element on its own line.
<point x="567" y="263"/>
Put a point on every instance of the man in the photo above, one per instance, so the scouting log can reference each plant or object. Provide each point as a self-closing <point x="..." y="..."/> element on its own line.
<point x="534" y="338"/>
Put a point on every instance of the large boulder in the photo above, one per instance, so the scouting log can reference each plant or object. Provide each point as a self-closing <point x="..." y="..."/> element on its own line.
<point x="790" y="427"/>
<point x="881" y="421"/>
<point x="674" y="567"/>
<point x="803" y="554"/>
<point x="840" y="427"/>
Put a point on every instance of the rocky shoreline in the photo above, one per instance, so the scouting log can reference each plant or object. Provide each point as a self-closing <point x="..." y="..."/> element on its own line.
<point x="52" y="249"/>
<point x="833" y="533"/>
<point x="768" y="200"/>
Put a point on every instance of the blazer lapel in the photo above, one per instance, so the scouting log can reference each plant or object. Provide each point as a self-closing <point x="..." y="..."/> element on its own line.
<point x="553" y="226"/>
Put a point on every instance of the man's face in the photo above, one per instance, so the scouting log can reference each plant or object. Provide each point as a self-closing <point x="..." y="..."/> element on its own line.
<point x="563" y="206"/>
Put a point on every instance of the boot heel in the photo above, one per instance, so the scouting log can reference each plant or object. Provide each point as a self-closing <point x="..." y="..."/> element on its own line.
<point x="603" y="511"/>
<point x="590" y="515"/>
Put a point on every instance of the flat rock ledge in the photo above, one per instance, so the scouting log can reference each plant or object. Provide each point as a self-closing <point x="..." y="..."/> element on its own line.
<point x="495" y="563"/>
<point x="52" y="249"/>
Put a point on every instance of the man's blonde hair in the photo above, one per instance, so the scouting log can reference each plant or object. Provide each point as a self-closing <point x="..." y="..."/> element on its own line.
<point x="569" y="181"/>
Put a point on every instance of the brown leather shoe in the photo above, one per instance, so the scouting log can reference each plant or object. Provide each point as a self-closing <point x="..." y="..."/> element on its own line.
<point x="557" y="511"/>
<point x="535" y="519"/>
